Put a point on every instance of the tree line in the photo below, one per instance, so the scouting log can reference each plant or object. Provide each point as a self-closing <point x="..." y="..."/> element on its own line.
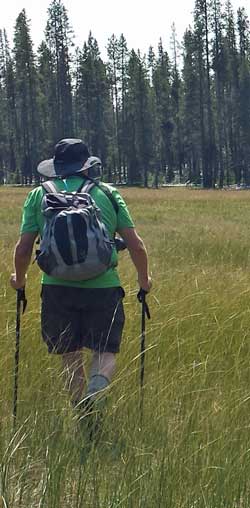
<point x="179" y="115"/>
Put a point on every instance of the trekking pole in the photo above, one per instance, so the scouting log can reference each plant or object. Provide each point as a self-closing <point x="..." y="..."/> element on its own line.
<point x="20" y="302"/>
<point x="144" y="312"/>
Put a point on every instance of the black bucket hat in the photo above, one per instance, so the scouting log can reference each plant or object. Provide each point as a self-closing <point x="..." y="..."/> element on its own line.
<point x="70" y="156"/>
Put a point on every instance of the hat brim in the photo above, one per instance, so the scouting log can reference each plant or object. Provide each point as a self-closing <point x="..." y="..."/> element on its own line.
<point x="51" y="169"/>
<point x="92" y="161"/>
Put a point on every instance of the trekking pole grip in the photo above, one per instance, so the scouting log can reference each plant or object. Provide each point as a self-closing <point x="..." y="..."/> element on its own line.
<point x="21" y="298"/>
<point x="141" y="296"/>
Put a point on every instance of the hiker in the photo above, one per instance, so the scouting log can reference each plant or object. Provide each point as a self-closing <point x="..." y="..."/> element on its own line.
<point x="78" y="313"/>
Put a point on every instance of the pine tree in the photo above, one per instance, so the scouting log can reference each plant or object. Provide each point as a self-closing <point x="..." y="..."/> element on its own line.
<point x="25" y="100"/>
<point x="232" y="107"/>
<point x="192" y="119"/>
<point x="58" y="36"/>
<point x="244" y="88"/>
<point x="138" y="122"/>
<point x="3" y="112"/>
<point x="244" y="34"/>
<point x="48" y="125"/>
<point x="91" y="103"/>
<point x="176" y="92"/>
<point x="157" y="168"/>
<point x="123" y="68"/>
<point x="113" y="77"/>
<point x="201" y="31"/>
<point x="118" y="79"/>
<point x="162" y="88"/>
<point x="218" y="64"/>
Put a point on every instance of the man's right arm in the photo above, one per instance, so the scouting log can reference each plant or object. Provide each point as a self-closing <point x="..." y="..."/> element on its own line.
<point x="138" y="254"/>
<point x="22" y="257"/>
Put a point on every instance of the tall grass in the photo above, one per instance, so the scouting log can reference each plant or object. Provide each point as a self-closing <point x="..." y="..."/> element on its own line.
<point x="192" y="448"/>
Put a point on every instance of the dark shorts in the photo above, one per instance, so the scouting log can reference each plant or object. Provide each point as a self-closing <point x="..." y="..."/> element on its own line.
<point x="73" y="318"/>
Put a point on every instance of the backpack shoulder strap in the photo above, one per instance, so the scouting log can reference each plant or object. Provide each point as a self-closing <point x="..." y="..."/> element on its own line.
<point x="86" y="186"/>
<point x="49" y="187"/>
<point x="89" y="183"/>
<point x="109" y="195"/>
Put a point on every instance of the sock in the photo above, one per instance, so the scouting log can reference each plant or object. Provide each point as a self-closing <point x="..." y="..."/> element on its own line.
<point x="97" y="383"/>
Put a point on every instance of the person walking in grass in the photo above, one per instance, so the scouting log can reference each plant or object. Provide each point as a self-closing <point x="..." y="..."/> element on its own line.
<point x="77" y="314"/>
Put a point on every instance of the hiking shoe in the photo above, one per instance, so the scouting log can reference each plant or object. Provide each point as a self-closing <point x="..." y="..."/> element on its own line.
<point x="90" y="417"/>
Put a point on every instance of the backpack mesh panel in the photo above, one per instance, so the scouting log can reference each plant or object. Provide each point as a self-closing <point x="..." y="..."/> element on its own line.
<point x="62" y="240"/>
<point x="79" y="231"/>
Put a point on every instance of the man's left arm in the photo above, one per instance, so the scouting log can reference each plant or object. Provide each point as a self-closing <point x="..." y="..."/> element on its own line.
<point x="22" y="258"/>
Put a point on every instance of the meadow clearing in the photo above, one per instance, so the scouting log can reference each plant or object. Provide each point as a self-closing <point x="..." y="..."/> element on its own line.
<point x="192" y="449"/>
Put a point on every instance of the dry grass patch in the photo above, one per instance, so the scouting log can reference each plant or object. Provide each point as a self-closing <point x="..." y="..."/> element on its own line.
<point x="192" y="450"/>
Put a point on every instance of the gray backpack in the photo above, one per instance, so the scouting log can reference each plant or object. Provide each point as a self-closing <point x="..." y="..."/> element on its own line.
<point x="75" y="243"/>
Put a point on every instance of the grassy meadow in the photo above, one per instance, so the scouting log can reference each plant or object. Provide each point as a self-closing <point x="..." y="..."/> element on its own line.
<point x="192" y="448"/>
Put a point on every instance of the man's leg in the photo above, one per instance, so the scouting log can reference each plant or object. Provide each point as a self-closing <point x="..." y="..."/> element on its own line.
<point x="101" y="372"/>
<point x="73" y="371"/>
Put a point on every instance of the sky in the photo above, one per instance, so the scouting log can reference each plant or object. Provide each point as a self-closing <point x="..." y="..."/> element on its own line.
<point x="142" y="22"/>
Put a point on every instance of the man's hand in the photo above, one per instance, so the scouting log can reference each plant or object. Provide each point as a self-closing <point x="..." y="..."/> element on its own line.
<point x="17" y="284"/>
<point x="145" y="284"/>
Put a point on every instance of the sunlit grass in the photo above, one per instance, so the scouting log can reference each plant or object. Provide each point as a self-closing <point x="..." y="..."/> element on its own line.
<point x="192" y="448"/>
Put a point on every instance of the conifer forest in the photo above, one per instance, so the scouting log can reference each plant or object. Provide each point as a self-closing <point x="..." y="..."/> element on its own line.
<point x="177" y="115"/>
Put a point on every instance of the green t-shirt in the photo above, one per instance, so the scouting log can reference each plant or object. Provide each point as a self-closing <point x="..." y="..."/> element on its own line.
<point x="33" y="221"/>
